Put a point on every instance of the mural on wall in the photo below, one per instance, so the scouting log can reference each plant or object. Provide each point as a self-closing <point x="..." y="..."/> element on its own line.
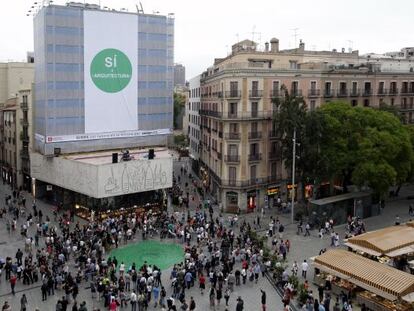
<point x="135" y="176"/>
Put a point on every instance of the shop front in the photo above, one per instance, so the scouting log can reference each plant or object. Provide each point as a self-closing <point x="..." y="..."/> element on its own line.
<point x="292" y="191"/>
<point x="252" y="198"/>
<point x="273" y="192"/>
<point x="232" y="202"/>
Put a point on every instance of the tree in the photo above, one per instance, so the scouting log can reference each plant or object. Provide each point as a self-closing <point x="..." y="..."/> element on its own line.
<point x="179" y="105"/>
<point x="366" y="146"/>
<point x="291" y="114"/>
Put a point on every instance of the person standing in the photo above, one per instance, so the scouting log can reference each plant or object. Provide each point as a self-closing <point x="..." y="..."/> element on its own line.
<point x="240" y="304"/>
<point x="192" y="304"/>
<point x="133" y="301"/>
<point x="305" y="267"/>
<point x="23" y="303"/>
<point x="263" y="299"/>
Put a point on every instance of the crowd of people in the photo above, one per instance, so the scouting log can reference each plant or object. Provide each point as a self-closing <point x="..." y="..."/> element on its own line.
<point x="64" y="256"/>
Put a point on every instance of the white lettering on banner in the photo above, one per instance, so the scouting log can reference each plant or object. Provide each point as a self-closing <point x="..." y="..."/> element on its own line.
<point x="124" y="134"/>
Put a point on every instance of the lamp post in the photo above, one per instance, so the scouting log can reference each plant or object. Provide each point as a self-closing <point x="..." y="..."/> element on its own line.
<point x="293" y="174"/>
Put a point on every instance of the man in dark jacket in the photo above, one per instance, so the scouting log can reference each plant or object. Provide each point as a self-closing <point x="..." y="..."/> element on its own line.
<point x="240" y="304"/>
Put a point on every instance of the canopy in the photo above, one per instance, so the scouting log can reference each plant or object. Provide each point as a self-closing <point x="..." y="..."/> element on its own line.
<point x="380" y="279"/>
<point x="392" y="241"/>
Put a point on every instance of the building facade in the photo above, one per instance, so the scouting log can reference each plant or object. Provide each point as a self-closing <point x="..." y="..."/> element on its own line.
<point x="16" y="80"/>
<point x="239" y="148"/>
<point x="192" y="117"/>
<point x="81" y="105"/>
<point x="103" y="107"/>
<point x="179" y="75"/>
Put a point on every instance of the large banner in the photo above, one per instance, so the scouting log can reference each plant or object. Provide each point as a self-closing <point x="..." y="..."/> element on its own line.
<point x="110" y="71"/>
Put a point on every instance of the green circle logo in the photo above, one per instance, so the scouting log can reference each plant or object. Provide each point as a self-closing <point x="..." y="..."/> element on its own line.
<point x="111" y="70"/>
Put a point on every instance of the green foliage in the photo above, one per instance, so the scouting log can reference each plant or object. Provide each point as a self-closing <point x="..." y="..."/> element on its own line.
<point x="179" y="106"/>
<point x="302" y="294"/>
<point x="180" y="140"/>
<point x="358" y="145"/>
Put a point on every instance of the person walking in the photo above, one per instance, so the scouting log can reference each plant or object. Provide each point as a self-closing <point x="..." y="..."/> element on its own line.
<point x="133" y="301"/>
<point x="23" y="303"/>
<point x="192" y="304"/>
<point x="240" y="304"/>
<point x="263" y="299"/>
<point x="13" y="280"/>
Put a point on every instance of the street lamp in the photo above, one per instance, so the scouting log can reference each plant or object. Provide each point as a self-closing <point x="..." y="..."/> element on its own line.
<point x="293" y="174"/>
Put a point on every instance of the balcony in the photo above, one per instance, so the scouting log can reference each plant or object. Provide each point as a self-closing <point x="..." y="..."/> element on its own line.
<point x="342" y="93"/>
<point x="255" y="157"/>
<point x="255" y="135"/>
<point x="367" y="92"/>
<point x="273" y="135"/>
<point x="314" y="93"/>
<point x="24" y="138"/>
<point x="382" y="92"/>
<point x="220" y="134"/>
<point x="275" y="155"/>
<point x="328" y="93"/>
<point x="219" y="155"/>
<point x="354" y="93"/>
<point x="255" y="93"/>
<point x="407" y="92"/>
<point x="232" y="136"/>
<point x="211" y="113"/>
<point x="295" y="92"/>
<point x="232" y="158"/>
<point x="406" y="108"/>
<point x="233" y="94"/>
<point x="24" y="106"/>
<point x="275" y="93"/>
<point x="393" y="92"/>
<point x="248" y="115"/>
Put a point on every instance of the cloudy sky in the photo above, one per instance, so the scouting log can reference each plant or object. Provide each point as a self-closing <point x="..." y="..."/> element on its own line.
<point x="207" y="29"/>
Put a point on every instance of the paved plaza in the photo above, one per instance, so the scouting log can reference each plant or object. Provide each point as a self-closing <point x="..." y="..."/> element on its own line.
<point x="301" y="248"/>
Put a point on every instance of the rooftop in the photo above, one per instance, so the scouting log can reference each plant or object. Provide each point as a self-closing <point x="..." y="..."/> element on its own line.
<point x="105" y="157"/>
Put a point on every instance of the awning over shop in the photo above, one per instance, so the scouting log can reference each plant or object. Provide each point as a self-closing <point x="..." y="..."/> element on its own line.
<point x="373" y="276"/>
<point x="392" y="241"/>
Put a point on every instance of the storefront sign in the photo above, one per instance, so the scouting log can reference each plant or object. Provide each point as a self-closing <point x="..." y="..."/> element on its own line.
<point x="273" y="190"/>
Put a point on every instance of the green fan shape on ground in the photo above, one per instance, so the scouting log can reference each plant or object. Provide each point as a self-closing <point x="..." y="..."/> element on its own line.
<point x="163" y="255"/>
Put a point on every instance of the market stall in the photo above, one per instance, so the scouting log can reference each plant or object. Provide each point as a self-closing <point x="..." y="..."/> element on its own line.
<point x="393" y="245"/>
<point x="378" y="286"/>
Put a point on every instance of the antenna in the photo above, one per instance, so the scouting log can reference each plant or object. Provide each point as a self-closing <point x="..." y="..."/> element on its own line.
<point x="295" y="35"/>
<point x="142" y="8"/>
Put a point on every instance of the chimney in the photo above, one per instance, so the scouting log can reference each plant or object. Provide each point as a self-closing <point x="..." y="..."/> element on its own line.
<point x="267" y="47"/>
<point x="274" y="45"/>
<point x="301" y="46"/>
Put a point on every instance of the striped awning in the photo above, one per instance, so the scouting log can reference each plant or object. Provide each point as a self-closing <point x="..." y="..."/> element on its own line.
<point x="383" y="280"/>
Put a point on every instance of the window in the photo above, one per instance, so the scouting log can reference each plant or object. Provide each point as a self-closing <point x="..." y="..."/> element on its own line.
<point x="312" y="105"/>
<point x="233" y="150"/>
<point x="254" y="127"/>
<point x="342" y="89"/>
<point x="233" y="109"/>
<point x="276" y="88"/>
<point x="293" y="64"/>
<point x="273" y="169"/>
<point x="366" y="102"/>
<point x="328" y="88"/>
<point x="313" y="85"/>
<point x="393" y="88"/>
<point x="254" y="109"/>
<point x="234" y="88"/>
<point x="295" y="88"/>
<point x="24" y="99"/>
<point x="367" y="88"/>
<point x="392" y="101"/>
<point x="254" y="149"/>
<point x="253" y="176"/>
<point x="354" y="102"/>
<point x="381" y="88"/>
<point x="404" y="87"/>
<point x="232" y="173"/>
<point x="255" y="86"/>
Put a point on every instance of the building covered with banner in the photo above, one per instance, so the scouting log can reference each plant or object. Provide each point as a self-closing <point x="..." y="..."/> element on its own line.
<point x="103" y="83"/>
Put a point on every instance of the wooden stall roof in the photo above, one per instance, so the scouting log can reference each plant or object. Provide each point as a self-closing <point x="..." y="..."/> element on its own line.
<point x="386" y="240"/>
<point x="367" y="273"/>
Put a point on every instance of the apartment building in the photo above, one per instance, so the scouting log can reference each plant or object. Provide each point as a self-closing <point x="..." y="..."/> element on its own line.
<point x="16" y="81"/>
<point x="192" y="118"/>
<point x="239" y="148"/>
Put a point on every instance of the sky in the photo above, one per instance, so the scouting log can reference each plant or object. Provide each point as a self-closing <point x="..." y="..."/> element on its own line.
<point x="205" y="30"/>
